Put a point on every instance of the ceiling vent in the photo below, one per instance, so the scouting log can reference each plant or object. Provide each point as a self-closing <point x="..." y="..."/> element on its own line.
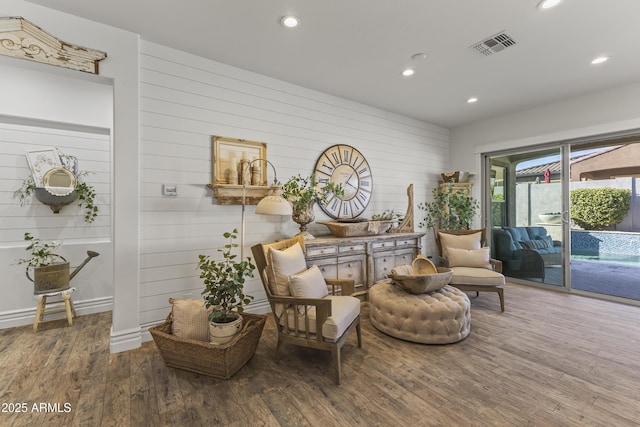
<point x="494" y="44"/>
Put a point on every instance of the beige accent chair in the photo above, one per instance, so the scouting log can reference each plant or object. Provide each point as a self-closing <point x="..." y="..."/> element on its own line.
<point x="466" y="253"/>
<point x="321" y="316"/>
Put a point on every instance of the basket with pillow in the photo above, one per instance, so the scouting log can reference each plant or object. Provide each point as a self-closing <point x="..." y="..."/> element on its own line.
<point x="183" y="341"/>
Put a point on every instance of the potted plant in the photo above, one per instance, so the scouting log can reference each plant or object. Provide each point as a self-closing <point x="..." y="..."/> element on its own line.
<point x="451" y="209"/>
<point x="224" y="290"/>
<point x="303" y="193"/>
<point x="50" y="270"/>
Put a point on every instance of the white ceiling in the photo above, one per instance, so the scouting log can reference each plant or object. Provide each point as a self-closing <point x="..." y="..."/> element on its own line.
<point x="357" y="49"/>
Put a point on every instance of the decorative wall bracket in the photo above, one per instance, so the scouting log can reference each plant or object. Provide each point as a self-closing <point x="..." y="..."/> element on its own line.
<point x="20" y="38"/>
<point x="226" y="194"/>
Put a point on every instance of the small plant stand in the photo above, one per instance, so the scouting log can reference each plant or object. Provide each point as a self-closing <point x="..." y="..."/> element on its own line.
<point x="64" y="305"/>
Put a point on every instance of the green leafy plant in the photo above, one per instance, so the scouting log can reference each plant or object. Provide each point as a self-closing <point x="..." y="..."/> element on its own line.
<point x="302" y="192"/>
<point x="595" y="208"/>
<point x="387" y="215"/>
<point x="224" y="281"/>
<point x="87" y="197"/>
<point x="451" y="209"/>
<point x="42" y="253"/>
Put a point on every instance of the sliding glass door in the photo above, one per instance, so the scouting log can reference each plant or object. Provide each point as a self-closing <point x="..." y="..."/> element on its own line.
<point x="526" y="214"/>
<point x="568" y="216"/>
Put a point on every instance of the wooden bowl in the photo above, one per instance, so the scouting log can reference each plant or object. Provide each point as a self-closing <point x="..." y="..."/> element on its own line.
<point x="423" y="283"/>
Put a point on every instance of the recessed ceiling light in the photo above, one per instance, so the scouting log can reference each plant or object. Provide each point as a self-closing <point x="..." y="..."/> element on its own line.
<point x="290" y="21"/>
<point x="548" y="4"/>
<point x="419" y="56"/>
<point x="408" y="72"/>
<point x="600" y="60"/>
<point x="472" y="100"/>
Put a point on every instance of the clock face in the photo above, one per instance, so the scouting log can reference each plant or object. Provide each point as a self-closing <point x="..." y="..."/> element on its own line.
<point x="343" y="164"/>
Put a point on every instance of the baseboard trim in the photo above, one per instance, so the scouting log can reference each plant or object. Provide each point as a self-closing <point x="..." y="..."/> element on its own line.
<point x="15" y="318"/>
<point x="128" y="339"/>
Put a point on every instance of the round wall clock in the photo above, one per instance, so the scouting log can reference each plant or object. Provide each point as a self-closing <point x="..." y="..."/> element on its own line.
<point x="343" y="164"/>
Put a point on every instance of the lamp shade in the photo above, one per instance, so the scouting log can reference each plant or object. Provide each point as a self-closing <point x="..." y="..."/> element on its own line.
<point x="273" y="203"/>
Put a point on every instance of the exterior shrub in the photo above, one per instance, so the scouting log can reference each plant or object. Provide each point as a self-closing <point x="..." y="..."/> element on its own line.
<point x="596" y="208"/>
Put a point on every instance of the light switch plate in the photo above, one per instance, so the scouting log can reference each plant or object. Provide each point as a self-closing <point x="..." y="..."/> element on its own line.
<point x="169" y="190"/>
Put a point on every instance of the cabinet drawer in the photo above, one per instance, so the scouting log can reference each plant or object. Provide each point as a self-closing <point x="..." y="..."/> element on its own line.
<point x="383" y="266"/>
<point x="353" y="269"/>
<point x="406" y="243"/>
<point x="383" y="245"/>
<point x="404" y="258"/>
<point x="329" y="271"/>
<point x="322" y="250"/>
<point x="351" y="248"/>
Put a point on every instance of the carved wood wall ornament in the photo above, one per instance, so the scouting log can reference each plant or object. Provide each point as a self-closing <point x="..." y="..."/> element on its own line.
<point x="20" y="38"/>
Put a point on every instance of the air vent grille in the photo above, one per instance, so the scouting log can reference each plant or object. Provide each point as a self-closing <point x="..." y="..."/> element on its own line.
<point x="494" y="44"/>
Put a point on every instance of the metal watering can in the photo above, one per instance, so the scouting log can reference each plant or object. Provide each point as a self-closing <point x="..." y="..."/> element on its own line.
<point x="56" y="277"/>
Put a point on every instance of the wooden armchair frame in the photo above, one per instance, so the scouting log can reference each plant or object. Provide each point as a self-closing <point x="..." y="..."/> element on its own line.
<point x="496" y="265"/>
<point x="300" y="332"/>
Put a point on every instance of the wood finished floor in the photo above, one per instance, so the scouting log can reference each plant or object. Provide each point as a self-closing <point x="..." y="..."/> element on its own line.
<point x="551" y="359"/>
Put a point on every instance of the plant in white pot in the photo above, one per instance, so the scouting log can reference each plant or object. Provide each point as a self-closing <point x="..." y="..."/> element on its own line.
<point x="224" y="290"/>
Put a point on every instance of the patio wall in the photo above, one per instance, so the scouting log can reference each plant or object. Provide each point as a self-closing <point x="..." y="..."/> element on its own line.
<point x="535" y="199"/>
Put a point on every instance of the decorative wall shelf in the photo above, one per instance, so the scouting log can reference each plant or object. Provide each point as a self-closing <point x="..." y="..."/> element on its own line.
<point x="20" y="38"/>
<point x="228" y="194"/>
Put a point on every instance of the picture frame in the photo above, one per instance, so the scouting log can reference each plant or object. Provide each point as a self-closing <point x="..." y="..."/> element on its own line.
<point x="227" y="152"/>
<point x="41" y="162"/>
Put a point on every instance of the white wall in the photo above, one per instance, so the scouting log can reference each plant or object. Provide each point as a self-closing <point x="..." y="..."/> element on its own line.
<point x="185" y="100"/>
<point x="121" y="66"/>
<point x="600" y="113"/>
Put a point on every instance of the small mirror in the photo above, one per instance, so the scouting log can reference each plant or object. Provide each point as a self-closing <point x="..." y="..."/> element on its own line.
<point x="59" y="177"/>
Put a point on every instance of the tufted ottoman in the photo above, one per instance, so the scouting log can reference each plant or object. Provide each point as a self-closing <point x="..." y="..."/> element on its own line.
<point x="438" y="317"/>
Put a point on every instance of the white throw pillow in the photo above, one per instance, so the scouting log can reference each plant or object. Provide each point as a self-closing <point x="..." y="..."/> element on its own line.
<point x="308" y="284"/>
<point x="478" y="258"/>
<point x="282" y="264"/>
<point x="459" y="241"/>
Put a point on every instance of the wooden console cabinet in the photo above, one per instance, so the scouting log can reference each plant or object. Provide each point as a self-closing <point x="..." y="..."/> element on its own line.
<point x="366" y="259"/>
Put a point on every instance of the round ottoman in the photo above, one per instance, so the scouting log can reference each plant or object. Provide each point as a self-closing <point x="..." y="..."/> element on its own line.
<point x="438" y="317"/>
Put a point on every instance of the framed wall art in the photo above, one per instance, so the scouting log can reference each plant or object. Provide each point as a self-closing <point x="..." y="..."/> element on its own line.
<point x="229" y="152"/>
<point x="41" y="162"/>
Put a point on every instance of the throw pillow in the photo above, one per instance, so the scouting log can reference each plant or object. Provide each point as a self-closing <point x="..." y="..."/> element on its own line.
<point x="536" y="244"/>
<point x="282" y="264"/>
<point x="478" y="258"/>
<point x="459" y="241"/>
<point x="308" y="284"/>
<point x="190" y="319"/>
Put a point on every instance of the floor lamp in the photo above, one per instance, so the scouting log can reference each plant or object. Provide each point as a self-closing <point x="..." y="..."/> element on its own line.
<point x="271" y="204"/>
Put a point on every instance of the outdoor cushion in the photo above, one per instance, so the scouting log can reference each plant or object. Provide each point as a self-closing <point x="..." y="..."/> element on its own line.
<point x="536" y="244"/>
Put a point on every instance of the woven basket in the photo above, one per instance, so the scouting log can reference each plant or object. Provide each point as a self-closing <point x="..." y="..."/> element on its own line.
<point x="423" y="283"/>
<point x="218" y="361"/>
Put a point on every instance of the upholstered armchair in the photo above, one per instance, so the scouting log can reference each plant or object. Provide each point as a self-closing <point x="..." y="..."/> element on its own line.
<point x="466" y="253"/>
<point x="308" y="310"/>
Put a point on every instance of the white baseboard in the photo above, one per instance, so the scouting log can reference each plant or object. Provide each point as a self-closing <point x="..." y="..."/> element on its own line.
<point x="14" y="318"/>
<point x="128" y="339"/>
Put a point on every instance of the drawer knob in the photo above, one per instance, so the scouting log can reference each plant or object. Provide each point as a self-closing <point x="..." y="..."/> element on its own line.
<point x="351" y="248"/>
<point x="322" y="269"/>
<point x="349" y="265"/>
<point x="321" y="251"/>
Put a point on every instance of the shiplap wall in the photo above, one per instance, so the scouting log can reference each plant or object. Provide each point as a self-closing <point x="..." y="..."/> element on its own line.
<point x="186" y="99"/>
<point x="92" y="147"/>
